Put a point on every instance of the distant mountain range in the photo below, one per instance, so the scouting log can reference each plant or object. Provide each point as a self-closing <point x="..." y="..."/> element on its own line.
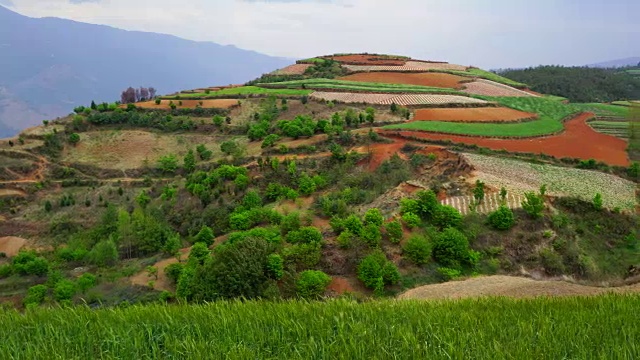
<point x="632" y="61"/>
<point x="48" y="66"/>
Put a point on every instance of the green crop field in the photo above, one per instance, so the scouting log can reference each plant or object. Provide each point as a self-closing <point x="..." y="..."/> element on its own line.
<point x="634" y="72"/>
<point x="604" y="109"/>
<point x="244" y="90"/>
<point x="551" y="113"/>
<point x="492" y="328"/>
<point x="331" y="84"/>
<point x="626" y="103"/>
<point x="489" y="76"/>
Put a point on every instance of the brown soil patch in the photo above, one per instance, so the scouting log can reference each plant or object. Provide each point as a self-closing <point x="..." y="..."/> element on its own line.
<point x="340" y="285"/>
<point x="295" y="69"/>
<point x="189" y="104"/>
<point x="163" y="282"/>
<point x="515" y="287"/>
<point x="363" y="59"/>
<point x="12" y="192"/>
<point x="11" y="245"/>
<point x="578" y="140"/>
<point x="425" y="79"/>
<point x="489" y="114"/>
<point x="380" y="152"/>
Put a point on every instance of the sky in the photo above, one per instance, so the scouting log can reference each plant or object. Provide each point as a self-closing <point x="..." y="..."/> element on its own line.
<point x="486" y="33"/>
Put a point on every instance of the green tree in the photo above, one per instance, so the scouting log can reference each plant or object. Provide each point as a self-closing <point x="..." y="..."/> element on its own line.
<point x="451" y="248"/>
<point x="533" y="204"/>
<point x="205" y="235"/>
<point x="502" y="219"/>
<point x="478" y="192"/>
<point x="204" y="153"/>
<point x="597" y="202"/>
<point x="64" y="290"/>
<point x="86" y="281"/>
<point x="394" y="231"/>
<point x="173" y="245"/>
<point x="345" y="239"/>
<point x="168" y="164"/>
<point x="418" y="250"/>
<point x="104" y="253"/>
<point x="305" y="235"/>
<point x="373" y="216"/>
<point x="189" y="162"/>
<point x="412" y="220"/>
<point x="306" y="185"/>
<point x="143" y="199"/>
<point x="353" y="224"/>
<point x="375" y="271"/>
<point x="446" y="216"/>
<point x="275" y="266"/>
<point x="503" y="196"/>
<point x="35" y="295"/>
<point x="199" y="254"/>
<point x="229" y="147"/>
<point x="74" y="138"/>
<point x="312" y="284"/>
<point x="173" y="271"/>
<point x="428" y="204"/>
<point x="371" y="235"/>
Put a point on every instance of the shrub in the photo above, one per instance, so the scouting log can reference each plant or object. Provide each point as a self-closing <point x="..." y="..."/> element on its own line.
<point x="86" y="281"/>
<point x="373" y="216"/>
<point x="275" y="266"/>
<point x="173" y="271"/>
<point x="371" y="235"/>
<point x="375" y="271"/>
<point x="28" y="263"/>
<point x="64" y="290"/>
<point x="451" y="248"/>
<point x="311" y="284"/>
<point x="353" y="224"/>
<point x="199" y="253"/>
<point x="446" y="216"/>
<point x="448" y="273"/>
<point x="345" y="239"/>
<point x="418" y="250"/>
<point x="168" y="164"/>
<point x="412" y="220"/>
<point x="5" y="271"/>
<point x="306" y="185"/>
<point x="394" y="231"/>
<point x="597" y="202"/>
<point x="305" y="235"/>
<point x="552" y="262"/>
<point x="74" y="138"/>
<point x="428" y="204"/>
<point x="409" y="206"/>
<point x="533" y="204"/>
<point x="302" y="256"/>
<point x="104" y="253"/>
<point x="35" y="295"/>
<point x="270" y="140"/>
<point x="502" y="219"/>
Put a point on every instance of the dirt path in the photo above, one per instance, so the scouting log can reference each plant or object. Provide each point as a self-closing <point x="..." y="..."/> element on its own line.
<point x="515" y="287"/>
<point x="163" y="282"/>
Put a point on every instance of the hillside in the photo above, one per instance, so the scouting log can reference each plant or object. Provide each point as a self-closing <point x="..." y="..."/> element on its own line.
<point x="365" y="174"/>
<point x="618" y="63"/>
<point x="49" y="66"/>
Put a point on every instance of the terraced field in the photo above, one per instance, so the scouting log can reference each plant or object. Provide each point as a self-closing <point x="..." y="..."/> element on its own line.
<point x="610" y="119"/>
<point x="240" y="91"/>
<point x="408" y="66"/>
<point x="433" y="79"/>
<point x="295" y="69"/>
<point x="388" y="99"/>
<point x="357" y="86"/>
<point x="490" y="203"/>
<point x="492" y="88"/>
<point x="487" y="114"/>
<point x="519" y="177"/>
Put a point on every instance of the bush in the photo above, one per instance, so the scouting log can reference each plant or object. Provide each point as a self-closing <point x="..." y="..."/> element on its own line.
<point x="168" y="164"/>
<point x="371" y="235"/>
<point x="199" y="253"/>
<point x="533" y="204"/>
<point x="394" y="231"/>
<point x="502" y="219"/>
<point x="205" y="235"/>
<point x="451" y="248"/>
<point x="86" y="281"/>
<point x="418" y="250"/>
<point x="28" y="263"/>
<point x="428" y="204"/>
<point x="173" y="271"/>
<point x="302" y="256"/>
<point x="64" y="290"/>
<point x="552" y="262"/>
<point x="35" y="295"/>
<point x="275" y="266"/>
<point x="305" y="235"/>
<point x="375" y="271"/>
<point x="104" y="253"/>
<point x="353" y="224"/>
<point x="446" y="216"/>
<point x="412" y="220"/>
<point x="373" y="216"/>
<point x="5" y="271"/>
<point x="597" y="202"/>
<point x="345" y="239"/>
<point x="311" y="284"/>
<point x="74" y="138"/>
<point x="448" y="273"/>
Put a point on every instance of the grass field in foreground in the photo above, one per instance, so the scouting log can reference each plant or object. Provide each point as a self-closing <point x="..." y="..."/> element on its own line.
<point x="551" y="113"/>
<point x="492" y="328"/>
<point x="332" y="84"/>
<point x="244" y="90"/>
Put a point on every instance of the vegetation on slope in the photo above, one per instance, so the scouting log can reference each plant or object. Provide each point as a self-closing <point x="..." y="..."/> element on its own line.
<point x="357" y="86"/>
<point x="580" y="84"/>
<point x="480" y="329"/>
<point x="242" y="91"/>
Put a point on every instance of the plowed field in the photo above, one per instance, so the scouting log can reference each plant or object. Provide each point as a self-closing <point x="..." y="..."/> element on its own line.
<point x="408" y="66"/>
<point x="492" y="88"/>
<point x="295" y="69"/>
<point x="578" y="140"/>
<point x="489" y="114"/>
<point x="388" y="99"/>
<point x="368" y="60"/>
<point x="424" y="79"/>
<point x="190" y="104"/>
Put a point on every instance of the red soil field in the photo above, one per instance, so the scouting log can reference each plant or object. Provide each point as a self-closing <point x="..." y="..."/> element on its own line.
<point x="367" y="60"/>
<point x="190" y="104"/>
<point x="424" y="79"/>
<point x="488" y="114"/>
<point x="578" y="140"/>
<point x="380" y="152"/>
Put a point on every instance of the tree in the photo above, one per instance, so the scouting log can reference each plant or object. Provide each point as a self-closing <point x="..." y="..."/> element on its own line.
<point x="451" y="248"/>
<point x="128" y="96"/>
<point x="189" y="162"/>
<point x="446" y="216"/>
<point x="373" y="216"/>
<point x="205" y="235"/>
<point x="173" y="271"/>
<point x="418" y="250"/>
<point x="203" y="152"/>
<point x="305" y="235"/>
<point x="152" y="92"/>
<point x="502" y="219"/>
<point x="371" y="118"/>
<point x="143" y="199"/>
<point x="597" y="202"/>
<point x="353" y="224"/>
<point x="74" y="138"/>
<point x="394" y="231"/>
<point x="478" y="192"/>
<point x="35" y="295"/>
<point x="375" y="271"/>
<point x="199" y="254"/>
<point x="275" y="266"/>
<point x="428" y="204"/>
<point x="172" y="245"/>
<point x="64" y="290"/>
<point x="306" y="185"/>
<point x="503" y="196"/>
<point x="144" y="94"/>
<point x="371" y="235"/>
<point x="533" y="204"/>
<point x="86" y="281"/>
<point x="93" y="105"/>
<point x="394" y="108"/>
<point x="168" y="164"/>
<point x="412" y="220"/>
<point x="312" y="284"/>
<point x="104" y="253"/>
<point x="229" y="147"/>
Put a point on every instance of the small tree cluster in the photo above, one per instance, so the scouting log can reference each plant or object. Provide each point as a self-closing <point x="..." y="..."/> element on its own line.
<point x="131" y="95"/>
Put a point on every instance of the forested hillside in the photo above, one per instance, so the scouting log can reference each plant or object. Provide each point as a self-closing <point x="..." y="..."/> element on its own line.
<point x="579" y="84"/>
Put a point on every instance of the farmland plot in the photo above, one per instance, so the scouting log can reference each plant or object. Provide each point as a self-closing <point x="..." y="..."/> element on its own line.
<point x="492" y="88"/>
<point x="488" y="114"/>
<point x="424" y="79"/>
<point x="388" y="99"/>
<point x="519" y="177"/>
<point x="295" y="69"/>
<point x="408" y="66"/>
<point x="490" y="203"/>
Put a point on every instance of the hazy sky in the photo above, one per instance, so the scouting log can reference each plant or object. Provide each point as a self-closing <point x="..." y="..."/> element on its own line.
<point x="486" y="33"/>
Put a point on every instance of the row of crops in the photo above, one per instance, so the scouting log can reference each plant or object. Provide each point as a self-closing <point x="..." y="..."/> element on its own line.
<point x="610" y="119"/>
<point x="601" y="327"/>
<point x="357" y="86"/>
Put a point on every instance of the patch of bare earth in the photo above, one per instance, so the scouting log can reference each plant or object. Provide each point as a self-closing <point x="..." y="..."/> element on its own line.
<point x="11" y="245"/>
<point x="514" y="287"/>
<point x="162" y="282"/>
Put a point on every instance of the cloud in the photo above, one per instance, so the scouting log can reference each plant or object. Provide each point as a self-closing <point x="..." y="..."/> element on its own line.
<point x="486" y="33"/>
